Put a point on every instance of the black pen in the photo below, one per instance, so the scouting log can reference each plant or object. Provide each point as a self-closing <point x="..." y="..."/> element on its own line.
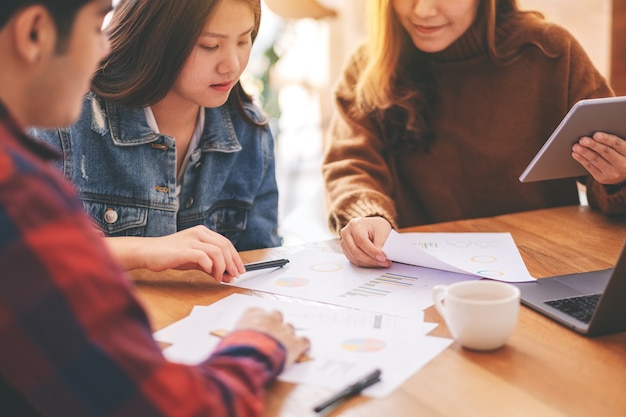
<point x="277" y="263"/>
<point x="351" y="390"/>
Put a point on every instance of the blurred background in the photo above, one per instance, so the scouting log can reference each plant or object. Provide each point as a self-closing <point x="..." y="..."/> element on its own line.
<point x="300" y="50"/>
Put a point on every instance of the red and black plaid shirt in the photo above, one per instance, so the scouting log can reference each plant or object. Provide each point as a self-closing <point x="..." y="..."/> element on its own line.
<point x="73" y="339"/>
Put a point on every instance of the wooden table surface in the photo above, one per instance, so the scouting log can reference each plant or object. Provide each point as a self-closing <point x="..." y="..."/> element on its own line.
<point x="543" y="370"/>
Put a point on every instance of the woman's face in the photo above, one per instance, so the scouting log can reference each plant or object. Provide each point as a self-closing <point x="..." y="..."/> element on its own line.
<point x="433" y="25"/>
<point x="219" y="56"/>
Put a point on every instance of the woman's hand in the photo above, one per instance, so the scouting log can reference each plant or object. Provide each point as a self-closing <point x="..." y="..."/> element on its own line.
<point x="272" y="324"/>
<point x="362" y="240"/>
<point x="194" y="248"/>
<point x="604" y="156"/>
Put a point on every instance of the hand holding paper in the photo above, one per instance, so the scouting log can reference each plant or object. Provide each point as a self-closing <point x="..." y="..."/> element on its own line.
<point x="487" y="255"/>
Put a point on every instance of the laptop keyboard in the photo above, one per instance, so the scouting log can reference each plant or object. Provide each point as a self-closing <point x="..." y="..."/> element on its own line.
<point x="581" y="308"/>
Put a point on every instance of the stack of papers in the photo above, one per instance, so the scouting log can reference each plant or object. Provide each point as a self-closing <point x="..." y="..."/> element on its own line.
<point x="400" y="290"/>
<point x="370" y="317"/>
<point x="346" y="344"/>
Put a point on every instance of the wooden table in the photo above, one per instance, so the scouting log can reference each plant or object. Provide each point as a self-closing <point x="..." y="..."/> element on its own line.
<point x="543" y="370"/>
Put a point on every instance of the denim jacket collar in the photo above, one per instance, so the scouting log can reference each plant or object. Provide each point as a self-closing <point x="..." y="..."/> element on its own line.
<point x="129" y="127"/>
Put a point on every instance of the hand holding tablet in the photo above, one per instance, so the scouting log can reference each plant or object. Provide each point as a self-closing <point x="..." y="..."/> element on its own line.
<point x="585" y="118"/>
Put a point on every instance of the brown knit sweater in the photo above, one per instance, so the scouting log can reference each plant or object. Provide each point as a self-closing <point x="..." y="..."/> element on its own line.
<point x="490" y="122"/>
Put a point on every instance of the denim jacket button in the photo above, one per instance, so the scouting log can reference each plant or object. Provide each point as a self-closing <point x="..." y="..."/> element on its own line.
<point x="189" y="202"/>
<point x="110" y="216"/>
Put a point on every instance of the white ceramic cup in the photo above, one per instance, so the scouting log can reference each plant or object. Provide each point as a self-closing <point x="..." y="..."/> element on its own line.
<point x="481" y="315"/>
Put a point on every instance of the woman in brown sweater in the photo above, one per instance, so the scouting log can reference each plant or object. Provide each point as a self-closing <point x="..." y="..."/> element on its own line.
<point x="442" y="109"/>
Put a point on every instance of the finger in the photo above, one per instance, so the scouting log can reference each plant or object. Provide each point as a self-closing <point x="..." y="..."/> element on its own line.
<point x="219" y="266"/>
<point x="205" y="235"/>
<point x="355" y="254"/>
<point x="590" y="149"/>
<point x="297" y="347"/>
<point x="590" y="159"/>
<point x="291" y="328"/>
<point x="603" y="148"/>
<point x="234" y="264"/>
<point x="586" y="159"/>
<point x="208" y="259"/>
<point x="232" y="261"/>
<point x="613" y="142"/>
<point x="601" y="171"/>
<point x="304" y="344"/>
<point x="606" y="169"/>
<point x="204" y="263"/>
<point x="228" y="278"/>
<point x="360" y="258"/>
<point x="377" y="251"/>
<point x="276" y="315"/>
<point x="252" y="313"/>
<point x="238" y="263"/>
<point x="615" y="148"/>
<point x="216" y="254"/>
<point x="372" y="251"/>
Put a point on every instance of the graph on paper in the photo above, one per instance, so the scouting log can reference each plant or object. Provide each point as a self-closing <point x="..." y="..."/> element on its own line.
<point x="379" y="286"/>
<point x="345" y="343"/>
<point x="363" y="344"/>
<point x="487" y="255"/>
<point x="401" y="290"/>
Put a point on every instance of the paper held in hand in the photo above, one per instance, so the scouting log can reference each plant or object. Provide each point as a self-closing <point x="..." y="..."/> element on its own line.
<point x="488" y="255"/>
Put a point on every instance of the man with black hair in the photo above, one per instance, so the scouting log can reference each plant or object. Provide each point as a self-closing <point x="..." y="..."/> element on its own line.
<point x="75" y="341"/>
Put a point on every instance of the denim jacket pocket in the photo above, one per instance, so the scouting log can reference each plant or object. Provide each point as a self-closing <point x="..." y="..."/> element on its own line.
<point x="226" y="217"/>
<point x="117" y="220"/>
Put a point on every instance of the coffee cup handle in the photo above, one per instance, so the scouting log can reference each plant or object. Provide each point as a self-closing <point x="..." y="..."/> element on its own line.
<point x="438" y="290"/>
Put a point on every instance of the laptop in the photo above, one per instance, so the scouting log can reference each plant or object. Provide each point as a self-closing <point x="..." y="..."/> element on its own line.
<point x="591" y="303"/>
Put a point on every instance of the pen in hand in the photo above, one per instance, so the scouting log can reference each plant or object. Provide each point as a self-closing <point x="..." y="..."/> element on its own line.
<point x="277" y="263"/>
<point x="350" y="390"/>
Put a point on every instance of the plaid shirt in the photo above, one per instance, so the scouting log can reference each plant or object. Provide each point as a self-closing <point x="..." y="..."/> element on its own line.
<point x="74" y="339"/>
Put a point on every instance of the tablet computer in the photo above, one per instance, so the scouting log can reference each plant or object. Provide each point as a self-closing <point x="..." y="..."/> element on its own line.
<point x="554" y="160"/>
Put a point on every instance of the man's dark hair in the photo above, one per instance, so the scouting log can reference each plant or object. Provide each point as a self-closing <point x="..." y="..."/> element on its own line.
<point x="62" y="11"/>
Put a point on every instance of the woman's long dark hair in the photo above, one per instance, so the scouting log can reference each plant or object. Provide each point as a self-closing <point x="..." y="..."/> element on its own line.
<point x="150" y="42"/>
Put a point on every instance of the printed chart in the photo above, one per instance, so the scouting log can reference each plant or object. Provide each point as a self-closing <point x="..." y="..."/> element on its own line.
<point x="401" y="290"/>
<point x="345" y="343"/>
<point x="487" y="255"/>
<point x="363" y="344"/>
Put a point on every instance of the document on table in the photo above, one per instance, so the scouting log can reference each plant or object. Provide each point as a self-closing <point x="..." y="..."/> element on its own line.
<point x="345" y="343"/>
<point x="402" y="290"/>
<point x="487" y="255"/>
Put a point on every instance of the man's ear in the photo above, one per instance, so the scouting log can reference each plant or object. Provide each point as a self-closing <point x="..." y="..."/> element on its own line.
<point x="35" y="33"/>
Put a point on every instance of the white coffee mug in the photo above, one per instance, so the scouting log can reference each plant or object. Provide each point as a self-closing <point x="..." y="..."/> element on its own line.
<point x="480" y="315"/>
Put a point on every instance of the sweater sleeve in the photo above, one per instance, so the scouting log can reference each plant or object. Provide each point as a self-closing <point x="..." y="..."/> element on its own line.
<point x="356" y="175"/>
<point x="609" y="199"/>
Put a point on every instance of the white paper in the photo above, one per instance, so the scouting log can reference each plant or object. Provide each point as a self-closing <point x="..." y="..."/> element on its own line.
<point x="345" y="344"/>
<point x="402" y="290"/>
<point x="487" y="255"/>
<point x="342" y="356"/>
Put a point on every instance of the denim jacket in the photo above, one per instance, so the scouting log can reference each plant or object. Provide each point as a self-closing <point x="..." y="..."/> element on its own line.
<point x="125" y="174"/>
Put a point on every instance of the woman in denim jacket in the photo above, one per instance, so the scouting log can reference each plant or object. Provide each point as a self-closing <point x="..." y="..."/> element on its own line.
<point x="173" y="161"/>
